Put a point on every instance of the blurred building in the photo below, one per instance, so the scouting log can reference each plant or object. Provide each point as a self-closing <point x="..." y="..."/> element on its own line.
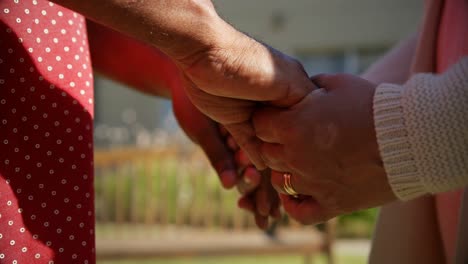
<point x="326" y="35"/>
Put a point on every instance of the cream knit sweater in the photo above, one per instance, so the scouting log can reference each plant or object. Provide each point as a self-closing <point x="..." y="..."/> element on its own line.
<point x="422" y="132"/>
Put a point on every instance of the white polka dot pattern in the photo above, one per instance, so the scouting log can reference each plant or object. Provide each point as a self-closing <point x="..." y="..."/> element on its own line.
<point x="46" y="115"/>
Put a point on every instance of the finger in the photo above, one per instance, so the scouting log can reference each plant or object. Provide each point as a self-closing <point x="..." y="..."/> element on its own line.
<point x="242" y="159"/>
<point x="215" y="107"/>
<point x="245" y="137"/>
<point x="278" y="182"/>
<point x="250" y="180"/>
<point x="209" y="138"/>
<point x="273" y="156"/>
<point x="261" y="221"/>
<point x="262" y="202"/>
<point x="220" y="156"/>
<point x="263" y="195"/>
<point x="223" y="131"/>
<point x="232" y="144"/>
<point x="235" y="121"/>
<point x="306" y="210"/>
<point x="246" y="203"/>
<point x="268" y="123"/>
<point x="252" y="176"/>
<point x="276" y="212"/>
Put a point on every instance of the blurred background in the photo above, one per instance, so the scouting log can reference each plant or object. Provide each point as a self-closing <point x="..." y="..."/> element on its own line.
<point x="157" y="198"/>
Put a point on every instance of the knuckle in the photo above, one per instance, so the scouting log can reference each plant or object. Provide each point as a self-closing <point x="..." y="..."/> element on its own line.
<point x="297" y="65"/>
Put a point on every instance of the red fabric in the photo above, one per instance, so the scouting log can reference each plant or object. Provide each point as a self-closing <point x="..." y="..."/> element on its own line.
<point x="145" y="68"/>
<point x="452" y="44"/>
<point x="46" y="120"/>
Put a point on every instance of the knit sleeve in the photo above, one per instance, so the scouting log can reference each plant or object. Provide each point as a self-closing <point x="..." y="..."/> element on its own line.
<point x="422" y="132"/>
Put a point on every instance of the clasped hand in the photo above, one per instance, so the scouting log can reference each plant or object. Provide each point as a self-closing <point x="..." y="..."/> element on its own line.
<point x="327" y="143"/>
<point x="320" y="131"/>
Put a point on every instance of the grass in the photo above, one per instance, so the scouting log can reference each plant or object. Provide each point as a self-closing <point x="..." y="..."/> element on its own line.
<point x="293" y="259"/>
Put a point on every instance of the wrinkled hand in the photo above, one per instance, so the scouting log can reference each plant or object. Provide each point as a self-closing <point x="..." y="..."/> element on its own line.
<point x="328" y="143"/>
<point x="228" y="79"/>
<point x="230" y="163"/>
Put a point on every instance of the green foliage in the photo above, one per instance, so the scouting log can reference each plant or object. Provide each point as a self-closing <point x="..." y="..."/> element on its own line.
<point x="358" y="224"/>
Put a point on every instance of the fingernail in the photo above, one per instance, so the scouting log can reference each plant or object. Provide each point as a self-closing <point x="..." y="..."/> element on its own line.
<point x="247" y="179"/>
<point x="228" y="178"/>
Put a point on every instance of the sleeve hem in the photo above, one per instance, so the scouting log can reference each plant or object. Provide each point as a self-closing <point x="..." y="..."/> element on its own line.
<point x="395" y="144"/>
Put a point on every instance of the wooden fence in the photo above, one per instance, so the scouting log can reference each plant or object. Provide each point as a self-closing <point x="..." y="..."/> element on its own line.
<point x="166" y="203"/>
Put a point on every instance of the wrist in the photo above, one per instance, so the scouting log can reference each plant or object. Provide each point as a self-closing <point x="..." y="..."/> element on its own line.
<point x="195" y="35"/>
<point x="179" y="28"/>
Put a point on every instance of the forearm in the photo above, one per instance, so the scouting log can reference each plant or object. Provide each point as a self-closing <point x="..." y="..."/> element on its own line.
<point x="394" y="67"/>
<point x="179" y="28"/>
<point x="131" y="62"/>
<point x="422" y="132"/>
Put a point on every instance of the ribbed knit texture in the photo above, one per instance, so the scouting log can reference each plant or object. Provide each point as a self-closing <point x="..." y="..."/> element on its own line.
<point x="422" y="132"/>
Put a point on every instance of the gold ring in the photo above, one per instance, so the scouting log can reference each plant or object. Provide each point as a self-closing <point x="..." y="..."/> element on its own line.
<point x="288" y="186"/>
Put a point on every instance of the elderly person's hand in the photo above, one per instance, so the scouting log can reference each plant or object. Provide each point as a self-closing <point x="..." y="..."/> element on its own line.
<point x="217" y="59"/>
<point x="230" y="162"/>
<point x="157" y="75"/>
<point x="327" y="143"/>
<point x="230" y="81"/>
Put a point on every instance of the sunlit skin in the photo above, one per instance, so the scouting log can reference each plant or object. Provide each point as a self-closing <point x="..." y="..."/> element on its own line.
<point x="212" y="55"/>
<point x="228" y="76"/>
<point x="328" y="143"/>
<point x="149" y="71"/>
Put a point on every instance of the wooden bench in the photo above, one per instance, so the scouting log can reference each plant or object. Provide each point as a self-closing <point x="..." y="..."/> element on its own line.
<point x="166" y="203"/>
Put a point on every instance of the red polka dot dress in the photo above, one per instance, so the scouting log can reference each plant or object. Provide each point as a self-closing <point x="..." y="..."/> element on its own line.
<point x="46" y="119"/>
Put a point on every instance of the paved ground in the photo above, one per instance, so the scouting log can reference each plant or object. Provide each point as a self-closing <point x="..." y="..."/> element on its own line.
<point x="360" y="247"/>
<point x="193" y="243"/>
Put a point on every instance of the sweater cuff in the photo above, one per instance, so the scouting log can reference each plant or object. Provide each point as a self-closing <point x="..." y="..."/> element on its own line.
<point x="394" y="143"/>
